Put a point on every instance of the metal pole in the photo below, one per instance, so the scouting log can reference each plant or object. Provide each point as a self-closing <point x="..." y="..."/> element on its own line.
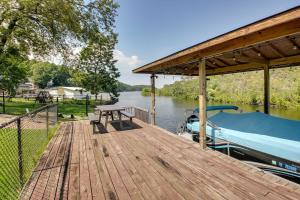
<point x="57" y="108"/>
<point x="86" y="105"/>
<point x="3" y="101"/>
<point x="47" y="121"/>
<point x="56" y="114"/>
<point x="20" y="157"/>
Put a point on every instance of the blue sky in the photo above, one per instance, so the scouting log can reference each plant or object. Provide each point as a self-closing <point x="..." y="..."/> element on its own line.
<point x="151" y="29"/>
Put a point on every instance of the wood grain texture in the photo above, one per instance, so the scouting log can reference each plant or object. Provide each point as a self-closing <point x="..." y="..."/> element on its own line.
<point x="144" y="163"/>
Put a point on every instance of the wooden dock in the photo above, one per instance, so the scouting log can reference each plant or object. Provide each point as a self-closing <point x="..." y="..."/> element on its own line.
<point x="144" y="163"/>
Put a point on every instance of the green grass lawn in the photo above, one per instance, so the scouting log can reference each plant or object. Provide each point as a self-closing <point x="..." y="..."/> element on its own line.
<point x="18" y="106"/>
<point x="34" y="142"/>
<point x="67" y="107"/>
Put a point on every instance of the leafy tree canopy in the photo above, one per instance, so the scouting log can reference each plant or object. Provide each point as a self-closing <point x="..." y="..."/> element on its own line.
<point x="13" y="70"/>
<point x="244" y="88"/>
<point x="123" y="87"/>
<point x="48" y="74"/>
<point x="55" y="27"/>
<point x="98" y="66"/>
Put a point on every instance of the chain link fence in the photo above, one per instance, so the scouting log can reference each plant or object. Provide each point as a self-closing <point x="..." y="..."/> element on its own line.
<point x="22" y="141"/>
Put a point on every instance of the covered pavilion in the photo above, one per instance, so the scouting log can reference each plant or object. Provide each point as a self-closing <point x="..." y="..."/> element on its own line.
<point x="273" y="42"/>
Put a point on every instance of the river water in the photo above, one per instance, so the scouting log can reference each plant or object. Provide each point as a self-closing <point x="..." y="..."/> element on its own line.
<point x="170" y="111"/>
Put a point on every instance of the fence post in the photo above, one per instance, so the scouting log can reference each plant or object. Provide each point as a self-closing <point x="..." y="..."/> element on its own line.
<point x="86" y="105"/>
<point x="47" y="121"/>
<point x="57" y="108"/>
<point x="3" y="101"/>
<point x="20" y="157"/>
<point x="56" y="114"/>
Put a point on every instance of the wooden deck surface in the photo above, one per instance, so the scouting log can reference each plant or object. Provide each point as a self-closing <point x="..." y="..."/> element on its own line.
<point x="144" y="163"/>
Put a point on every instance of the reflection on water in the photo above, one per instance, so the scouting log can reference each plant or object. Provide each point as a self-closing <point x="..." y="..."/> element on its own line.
<point x="169" y="111"/>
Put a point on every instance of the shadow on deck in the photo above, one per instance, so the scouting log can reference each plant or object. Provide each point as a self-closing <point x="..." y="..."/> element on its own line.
<point x="115" y="126"/>
<point x="145" y="162"/>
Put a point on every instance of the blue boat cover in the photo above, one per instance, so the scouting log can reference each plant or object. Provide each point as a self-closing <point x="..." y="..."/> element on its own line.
<point x="265" y="133"/>
<point x="219" y="107"/>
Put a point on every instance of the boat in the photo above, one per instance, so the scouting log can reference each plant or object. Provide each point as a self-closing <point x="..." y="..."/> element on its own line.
<point x="256" y="137"/>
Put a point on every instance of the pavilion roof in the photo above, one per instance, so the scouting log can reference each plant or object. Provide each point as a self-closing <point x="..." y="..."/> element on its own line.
<point x="273" y="41"/>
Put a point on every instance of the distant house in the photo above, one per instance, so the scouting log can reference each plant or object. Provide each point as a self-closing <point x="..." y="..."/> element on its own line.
<point x="73" y="93"/>
<point x="68" y="92"/>
<point x="27" y="88"/>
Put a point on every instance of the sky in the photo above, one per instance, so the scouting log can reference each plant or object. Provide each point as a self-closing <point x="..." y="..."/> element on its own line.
<point x="151" y="29"/>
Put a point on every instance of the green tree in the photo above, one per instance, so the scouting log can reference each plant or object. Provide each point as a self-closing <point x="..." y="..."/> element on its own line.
<point x="61" y="76"/>
<point x="51" y="27"/>
<point x="13" y="70"/>
<point x="43" y="73"/>
<point x="98" y="66"/>
<point x="48" y="26"/>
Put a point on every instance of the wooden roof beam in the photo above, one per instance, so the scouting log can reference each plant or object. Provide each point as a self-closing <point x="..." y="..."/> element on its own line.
<point x="244" y="58"/>
<point x="182" y="65"/>
<point x="218" y="62"/>
<point x="222" y="61"/>
<point x="259" y="53"/>
<point x="294" y="43"/>
<point x="215" y="63"/>
<point x="251" y="59"/>
<point x="252" y="66"/>
<point x="235" y="68"/>
<point x="285" y="61"/>
<point x="276" y="50"/>
<point x="210" y="64"/>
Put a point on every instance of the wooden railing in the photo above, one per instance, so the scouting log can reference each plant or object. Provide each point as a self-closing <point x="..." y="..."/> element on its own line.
<point x="139" y="113"/>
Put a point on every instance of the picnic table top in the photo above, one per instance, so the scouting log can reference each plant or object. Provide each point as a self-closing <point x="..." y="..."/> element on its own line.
<point x="107" y="108"/>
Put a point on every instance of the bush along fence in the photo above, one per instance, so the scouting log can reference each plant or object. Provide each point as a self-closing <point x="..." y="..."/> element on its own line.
<point x="22" y="141"/>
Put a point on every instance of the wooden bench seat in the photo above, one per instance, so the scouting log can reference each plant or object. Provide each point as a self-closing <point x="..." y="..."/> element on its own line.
<point x="94" y="119"/>
<point x="128" y="114"/>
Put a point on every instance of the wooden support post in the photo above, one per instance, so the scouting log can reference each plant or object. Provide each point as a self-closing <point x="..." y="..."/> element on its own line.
<point x="152" y="113"/>
<point x="266" y="89"/>
<point x="202" y="104"/>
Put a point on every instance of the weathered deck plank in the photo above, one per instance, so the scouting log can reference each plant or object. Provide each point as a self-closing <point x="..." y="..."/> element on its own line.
<point x="144" y="163"/>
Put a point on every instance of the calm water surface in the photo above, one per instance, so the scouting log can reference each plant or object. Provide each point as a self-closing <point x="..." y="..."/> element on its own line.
<point x="170" y="111"/>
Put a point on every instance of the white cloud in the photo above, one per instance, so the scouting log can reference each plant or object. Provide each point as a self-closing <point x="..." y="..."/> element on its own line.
<point x="126" y="63"/>
<point x="124" y="60"/>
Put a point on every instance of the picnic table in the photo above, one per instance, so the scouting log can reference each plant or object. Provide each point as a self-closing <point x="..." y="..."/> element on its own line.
<point x="108" y="110"/>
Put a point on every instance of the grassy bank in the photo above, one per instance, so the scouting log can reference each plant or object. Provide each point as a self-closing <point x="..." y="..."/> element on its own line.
<point x="34" y="142"/>
<point x="17" y="106"/>
<point x="242" y="88"/>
